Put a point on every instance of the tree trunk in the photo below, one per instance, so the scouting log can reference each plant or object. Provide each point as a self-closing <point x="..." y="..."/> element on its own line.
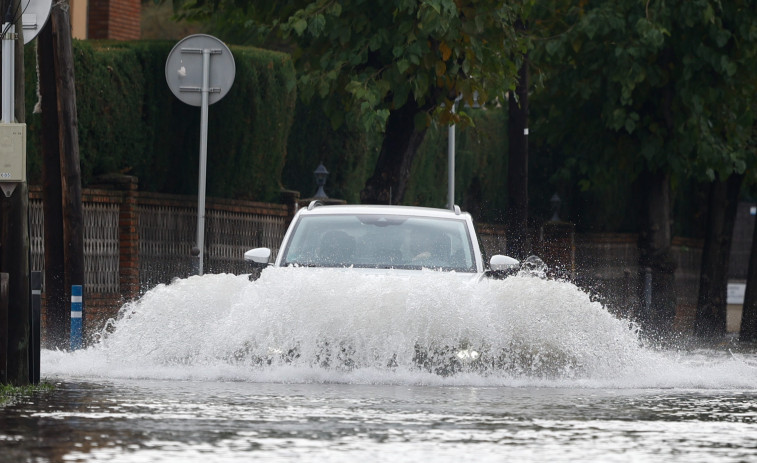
<point x="518" y="243"/>
<point x="655" y="255"/>
<point x="748" y="331"/>
<point x="722" y="201"/>
<point x="398" y="149"/>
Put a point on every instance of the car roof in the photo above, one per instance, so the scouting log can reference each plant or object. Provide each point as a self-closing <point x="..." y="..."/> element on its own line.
<point x="347" y="209"/>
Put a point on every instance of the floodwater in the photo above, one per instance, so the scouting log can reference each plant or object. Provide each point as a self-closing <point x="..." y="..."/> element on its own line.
<point x="312" y="365"/>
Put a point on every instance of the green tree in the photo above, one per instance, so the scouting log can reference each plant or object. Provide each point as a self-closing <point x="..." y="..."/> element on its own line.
<point x="653" y="92"/>
<point x="389" y="66"/>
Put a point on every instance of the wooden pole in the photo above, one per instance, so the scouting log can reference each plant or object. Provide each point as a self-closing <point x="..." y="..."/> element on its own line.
<point x="57" y="310"/>
<point x="61" y="174"/>
<point x="73" y="224"/>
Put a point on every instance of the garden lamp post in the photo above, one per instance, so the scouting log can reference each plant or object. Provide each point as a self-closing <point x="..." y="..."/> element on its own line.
<point x="320" y="174"/>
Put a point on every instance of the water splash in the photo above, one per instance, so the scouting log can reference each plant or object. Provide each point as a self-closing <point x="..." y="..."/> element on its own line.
<point x="337" y="325"/>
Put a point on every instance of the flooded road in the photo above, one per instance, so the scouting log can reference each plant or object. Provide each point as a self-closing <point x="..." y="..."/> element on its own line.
<point x="200" y="421"/>
<point x="297" y="366"/>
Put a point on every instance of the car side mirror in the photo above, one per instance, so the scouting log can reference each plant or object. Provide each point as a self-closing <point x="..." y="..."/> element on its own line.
<point x="258" y="256"/>
<point x="500" y="263"/>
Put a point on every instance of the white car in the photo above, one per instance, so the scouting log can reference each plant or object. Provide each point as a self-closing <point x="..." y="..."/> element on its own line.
<point x="383" y="238"/>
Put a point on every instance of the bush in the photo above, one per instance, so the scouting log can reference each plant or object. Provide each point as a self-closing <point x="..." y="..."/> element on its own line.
<point x="130" y="122"/>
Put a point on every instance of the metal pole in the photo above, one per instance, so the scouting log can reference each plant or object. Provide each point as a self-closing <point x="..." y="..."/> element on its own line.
<point x="451" y="163"/>
<point x="8" y="72"/>
<point x="203" y="157"/>
<point x="76" y="317"/>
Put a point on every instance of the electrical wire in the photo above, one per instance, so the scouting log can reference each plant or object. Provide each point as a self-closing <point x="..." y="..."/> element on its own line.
<point x="12" y="16"/>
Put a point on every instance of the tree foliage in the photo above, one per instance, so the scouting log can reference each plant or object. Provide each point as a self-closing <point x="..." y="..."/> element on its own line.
<point x="665" y="93"/>
<point x="664" y="85"/>
<point x="389" y="67"/>
<point x="371" y="57"/>
<point x="378" y="55"/>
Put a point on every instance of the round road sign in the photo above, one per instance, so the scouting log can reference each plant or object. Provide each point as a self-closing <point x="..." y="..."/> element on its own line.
<point x="184" y="69"/>
<point x="34" y="17"/>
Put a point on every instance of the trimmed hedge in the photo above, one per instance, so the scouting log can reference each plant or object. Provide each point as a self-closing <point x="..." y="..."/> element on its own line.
<point x="130" y="122"/>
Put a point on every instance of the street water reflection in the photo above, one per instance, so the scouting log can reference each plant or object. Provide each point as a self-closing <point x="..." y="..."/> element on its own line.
<point x="310" y="365"/>
<point x="209" y="421"/>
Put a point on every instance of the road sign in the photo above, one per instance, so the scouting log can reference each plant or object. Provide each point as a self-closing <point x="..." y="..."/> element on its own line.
<point x="200" y="71"/>
<point x="185" y="66"/>
<point x="34" y="17"/>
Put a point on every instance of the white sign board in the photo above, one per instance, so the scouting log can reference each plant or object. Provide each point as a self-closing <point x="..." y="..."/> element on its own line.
<point x="736" y="293"/>
<point x="34" y="17"/>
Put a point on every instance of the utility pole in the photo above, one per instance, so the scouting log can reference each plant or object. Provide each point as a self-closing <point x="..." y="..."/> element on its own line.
<point x="61" y="174"/>
<point x="14" y="253"/>
<point x="68" y="128"/>
<point x="56" y="305"/>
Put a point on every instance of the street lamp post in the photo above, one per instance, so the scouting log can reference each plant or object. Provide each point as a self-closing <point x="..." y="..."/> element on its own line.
<point x="451" y="160"/>
<point x="451" y="151"/>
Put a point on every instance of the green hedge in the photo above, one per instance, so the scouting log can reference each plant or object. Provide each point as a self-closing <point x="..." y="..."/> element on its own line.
<point x="130" y="122"/>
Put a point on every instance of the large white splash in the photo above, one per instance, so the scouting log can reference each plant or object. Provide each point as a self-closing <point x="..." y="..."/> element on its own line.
<point x="338" y="325"/>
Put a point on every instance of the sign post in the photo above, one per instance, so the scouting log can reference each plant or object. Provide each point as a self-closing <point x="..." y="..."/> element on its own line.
<point x="77" y="333"/>
<point x="200" y="71"/>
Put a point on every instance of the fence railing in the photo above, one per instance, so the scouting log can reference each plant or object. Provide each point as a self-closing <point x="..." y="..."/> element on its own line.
<point x="101" y="244"/>
<point x="167" y="235"/>
<point x="134" y="241"/>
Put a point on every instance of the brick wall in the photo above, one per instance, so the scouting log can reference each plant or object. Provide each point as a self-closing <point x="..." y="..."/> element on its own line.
<point x="114" y="19"/>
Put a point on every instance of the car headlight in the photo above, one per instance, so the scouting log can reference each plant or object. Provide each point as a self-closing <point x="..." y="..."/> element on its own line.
<point x="467" y="355"/>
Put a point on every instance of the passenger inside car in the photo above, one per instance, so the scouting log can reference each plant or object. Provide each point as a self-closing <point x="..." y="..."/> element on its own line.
<point x="430" y="249"/>
<point x="336" y="249"/>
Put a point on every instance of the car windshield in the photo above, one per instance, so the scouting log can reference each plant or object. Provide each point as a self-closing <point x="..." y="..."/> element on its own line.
<point x="380" y="241"/>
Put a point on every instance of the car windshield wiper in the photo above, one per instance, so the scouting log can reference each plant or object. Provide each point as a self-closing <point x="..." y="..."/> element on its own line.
<point x="301" y="264"/>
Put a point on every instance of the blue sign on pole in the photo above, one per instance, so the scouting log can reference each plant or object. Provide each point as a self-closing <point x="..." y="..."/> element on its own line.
<point x="76" y="317"/>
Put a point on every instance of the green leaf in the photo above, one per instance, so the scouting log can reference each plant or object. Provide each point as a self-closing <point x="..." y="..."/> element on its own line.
<point x="553" y="47"/>
<point x="403" y="65"/>
<point x="317" y="25"/>
<point x="299" y="26"/>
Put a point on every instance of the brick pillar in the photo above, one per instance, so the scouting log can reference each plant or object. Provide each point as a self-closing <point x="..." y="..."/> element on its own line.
<point x="558" y="248"/>
<point x="128" y="230"/>
<point x="128" y="236"/>
<point x="114" y="19"/>
<point x="291" y="198"/>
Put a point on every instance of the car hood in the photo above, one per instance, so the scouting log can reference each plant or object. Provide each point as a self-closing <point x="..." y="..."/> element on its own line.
<point x="403" y="273"/>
